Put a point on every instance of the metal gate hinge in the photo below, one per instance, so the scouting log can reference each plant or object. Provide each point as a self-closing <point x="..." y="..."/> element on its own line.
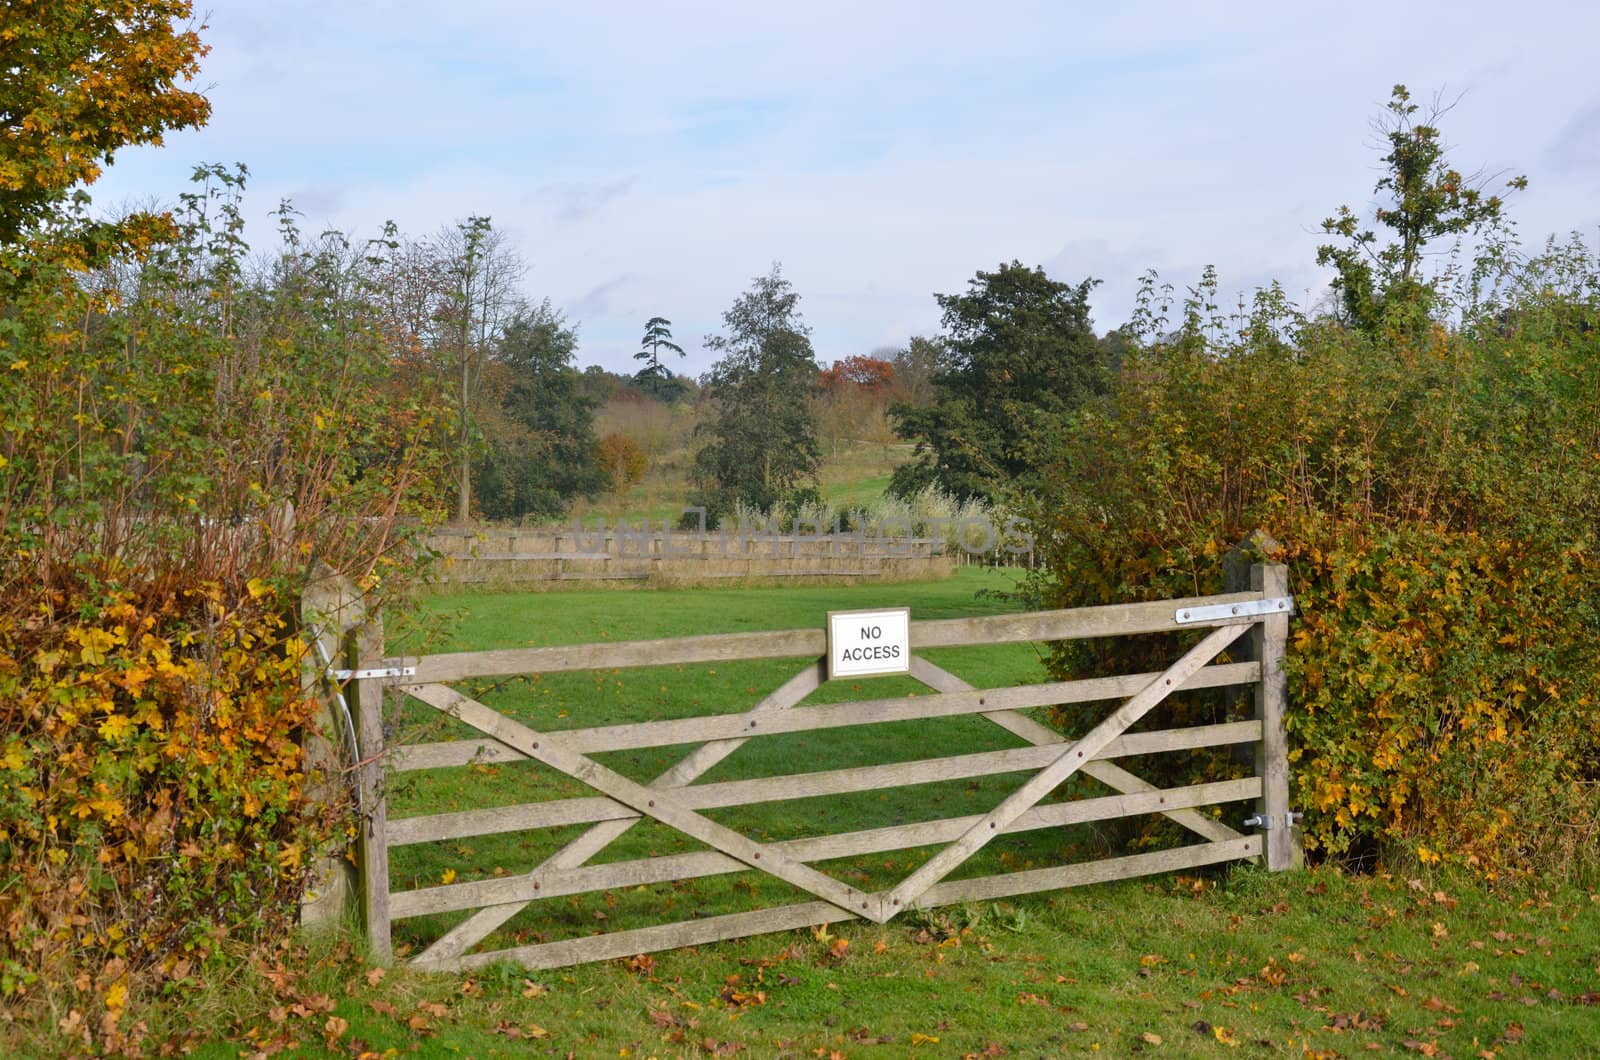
<point x="1270" y="820"/>
<point x="373" y="674"/>
<point x="1271" y="605"/>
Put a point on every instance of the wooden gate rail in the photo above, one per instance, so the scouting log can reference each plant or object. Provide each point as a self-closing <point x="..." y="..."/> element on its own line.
<point x="674" y="800"/>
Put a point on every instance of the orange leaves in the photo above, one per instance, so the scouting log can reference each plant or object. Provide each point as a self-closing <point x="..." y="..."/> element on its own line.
<point x="170" y="769"/>
<point x="99" y="77"/>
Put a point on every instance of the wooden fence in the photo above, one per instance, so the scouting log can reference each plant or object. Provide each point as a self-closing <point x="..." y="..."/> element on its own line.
<point x="675" y="800"/>
<point x="561" y="559"/>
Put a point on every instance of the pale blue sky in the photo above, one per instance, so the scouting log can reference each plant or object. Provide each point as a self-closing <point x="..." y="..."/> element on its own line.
<point x="650" y="159"/>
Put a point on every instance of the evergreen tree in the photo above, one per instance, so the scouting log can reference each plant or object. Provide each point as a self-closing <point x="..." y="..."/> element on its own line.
<point x="762" y="446"/>
<point x="1018" y="354"/>
<point x="538" y="426"/>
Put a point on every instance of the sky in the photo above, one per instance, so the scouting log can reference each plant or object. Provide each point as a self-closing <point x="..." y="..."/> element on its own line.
<point x="650" y="159"/>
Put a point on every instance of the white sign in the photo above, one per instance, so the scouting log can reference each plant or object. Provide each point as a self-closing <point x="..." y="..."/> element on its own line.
<point x="869" y="643"/>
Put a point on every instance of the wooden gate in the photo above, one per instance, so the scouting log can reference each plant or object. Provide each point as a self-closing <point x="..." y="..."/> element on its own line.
<point x="674" y="799"/>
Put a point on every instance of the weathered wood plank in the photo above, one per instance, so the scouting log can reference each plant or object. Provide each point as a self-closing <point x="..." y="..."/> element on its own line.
<point x="497" y="820"/>
<point x="663" y="805"/>
<point x="366" y="698"/>
<point x="525" y="816"/>
<point x="1047" y="779"/>
<point x="1270" y="639"/>
<point x="552" y="883"/>
<point x="1111" y="775"/>
<point x="968" y="700"/>
<point x="1029" y="881"/>
<point x="793" y="917"/>
<point x="477" y="927"/>
<point x="1110" y="620"/>
<point x="654" y="939"/>
<point x="877" y="711"/>
<point x="448" y="754"/>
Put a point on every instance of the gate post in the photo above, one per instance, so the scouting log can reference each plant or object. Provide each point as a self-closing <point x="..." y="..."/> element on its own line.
<point x="1269" y="640"/>
<point x="346" y="634"/>
<point x="364" y="649"/>
<point x="329" y="605"/>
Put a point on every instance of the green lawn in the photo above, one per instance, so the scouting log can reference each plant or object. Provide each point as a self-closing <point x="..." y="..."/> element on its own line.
<point x="855" y="475"/>
<point x="1307" y="964"/>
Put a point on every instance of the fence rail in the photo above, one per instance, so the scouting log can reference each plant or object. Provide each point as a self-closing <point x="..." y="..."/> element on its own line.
<point x="1255" y="618"/>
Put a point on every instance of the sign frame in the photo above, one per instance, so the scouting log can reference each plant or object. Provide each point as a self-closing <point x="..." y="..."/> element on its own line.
<point x="842" y="625"/>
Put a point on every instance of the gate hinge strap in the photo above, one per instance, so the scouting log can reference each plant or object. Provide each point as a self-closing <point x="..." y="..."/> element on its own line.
<point x="1271" y="605"/>
<point x="373" y="674"/>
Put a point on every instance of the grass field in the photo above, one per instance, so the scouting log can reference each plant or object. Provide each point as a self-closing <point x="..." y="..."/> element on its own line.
<point x="1314" y="963"/>
<point x="855" y="475"/>
<point x="1307" y="964"/>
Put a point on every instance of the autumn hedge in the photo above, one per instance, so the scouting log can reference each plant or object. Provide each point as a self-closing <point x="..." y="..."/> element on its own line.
<point x="1436" y="490"/>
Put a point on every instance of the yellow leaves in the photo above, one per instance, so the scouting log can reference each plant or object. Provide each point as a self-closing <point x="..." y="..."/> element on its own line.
<point x="1225" y="1036"/>
<point x="94" y="644"/>
<point x="117" y="997"/>
<point x="448" y="876"/>
<point x="114" y="726"/>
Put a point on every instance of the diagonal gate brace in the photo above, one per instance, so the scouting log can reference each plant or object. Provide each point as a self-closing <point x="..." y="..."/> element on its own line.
<point x="1106" y="772"/>
<point x="481" y="924"/>
<point x="660" y="804"/>
<point x="1046" y="780"/>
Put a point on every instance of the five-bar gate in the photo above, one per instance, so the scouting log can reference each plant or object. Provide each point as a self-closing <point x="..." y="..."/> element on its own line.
<point x="617" y="803"/>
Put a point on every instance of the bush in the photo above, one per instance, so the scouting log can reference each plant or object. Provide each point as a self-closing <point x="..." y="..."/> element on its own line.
<point x="1437" y="492"/>
<point x="184" y="441"/>
<point x="623" y="460"/>
<point x="155" y="796"/>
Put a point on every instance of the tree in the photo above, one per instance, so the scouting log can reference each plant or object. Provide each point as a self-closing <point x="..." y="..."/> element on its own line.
<point x="762" y="445"/>
<point x="657" y="334"/>
<point x="77" y="82"/>
<point x="1425" y="199"/>
<point x="852" y="399"/>
<point x="623" y="460"/>
<point x="1018" y="354"/>
<point x="914" y="369"/>
<point x="538" y="424"/>
<point x="479" y="274"/>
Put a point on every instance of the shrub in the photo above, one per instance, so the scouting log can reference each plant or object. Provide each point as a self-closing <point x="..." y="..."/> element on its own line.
<point x="184" y="440"/>
<point x="154" y="801"/>
<point x="623" y="460"/>
<point x="1437" y="492"/>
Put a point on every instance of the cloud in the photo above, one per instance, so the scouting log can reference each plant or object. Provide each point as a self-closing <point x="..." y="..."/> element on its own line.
<point x="596" y="302"/>
<point x="576" y="201"/>
<point x="650" y="159"/>
<point x="1577" y="146"/>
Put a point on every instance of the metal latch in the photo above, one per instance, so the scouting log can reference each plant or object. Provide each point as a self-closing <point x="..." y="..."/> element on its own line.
<point x="1270" y="820"/>
<point x="1271" y="605"/>
<point x="373" y="674"/>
